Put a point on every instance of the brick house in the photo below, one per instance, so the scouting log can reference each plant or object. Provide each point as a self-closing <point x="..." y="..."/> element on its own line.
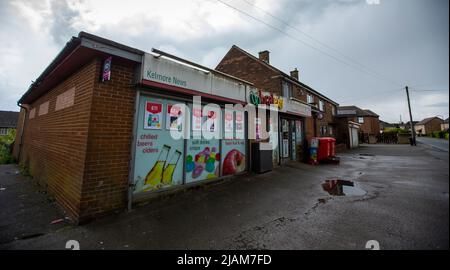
<point x="368" y="123"/>
<point x="428" y="126"/>
<point x="265" y="77"/>
<point x="8" y="120"/>
<point x="97" y="126"/>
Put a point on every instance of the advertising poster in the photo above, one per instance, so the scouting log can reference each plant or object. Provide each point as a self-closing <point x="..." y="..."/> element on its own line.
<point x="153" y="115"/>
<point x="106" y="75"/>
<point x="257" y="128"/>
<point x="233" y="158"/>
<point x="285" y="148"/>
<point x="158" y="157"/>
<point x="273" y="139"/>
<point x="197" y="120"/>
<point x="174" y="118"/>
<point x="212" y="121"/>
<point x="240" y="125"/>
<point x="202" y="160"/>
<point x="229" y="124"/>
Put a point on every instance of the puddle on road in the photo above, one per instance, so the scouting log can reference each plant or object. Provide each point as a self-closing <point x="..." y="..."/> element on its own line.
<point x="342" y="188"/>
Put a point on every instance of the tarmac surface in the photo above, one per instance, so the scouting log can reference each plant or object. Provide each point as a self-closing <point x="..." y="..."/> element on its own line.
<point x="404" y="205"/>
<point x="439" y="144"/>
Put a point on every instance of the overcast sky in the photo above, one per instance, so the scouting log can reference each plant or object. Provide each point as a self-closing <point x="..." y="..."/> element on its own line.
<point x="399" y="42"/>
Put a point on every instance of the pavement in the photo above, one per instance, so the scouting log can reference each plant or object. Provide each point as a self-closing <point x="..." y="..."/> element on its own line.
<point x="439" y="144"/>
<point x="406" y="206"/>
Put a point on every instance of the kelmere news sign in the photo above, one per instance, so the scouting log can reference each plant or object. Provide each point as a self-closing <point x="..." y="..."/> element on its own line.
<point x="169" y="72"/>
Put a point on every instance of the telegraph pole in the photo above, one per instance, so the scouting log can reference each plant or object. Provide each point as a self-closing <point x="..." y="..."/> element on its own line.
<point x="413" y="132"/>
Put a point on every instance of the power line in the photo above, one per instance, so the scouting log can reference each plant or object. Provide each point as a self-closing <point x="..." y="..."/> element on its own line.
<point x="356" y="98"/>
<point x="305" y="43"/>
<point x="429" y="90"/>
<point x="319" y="42"/>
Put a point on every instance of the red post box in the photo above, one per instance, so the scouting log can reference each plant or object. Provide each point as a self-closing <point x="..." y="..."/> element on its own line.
<point x="327" y="148"/>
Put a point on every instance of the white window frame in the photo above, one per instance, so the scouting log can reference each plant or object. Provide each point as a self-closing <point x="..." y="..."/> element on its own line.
<point x="360" y="119"/>
<point x="321" y="105"/>
<point x="3" y="131"/>
<point x="287" y="90"/>
<point x="309" y="98"/>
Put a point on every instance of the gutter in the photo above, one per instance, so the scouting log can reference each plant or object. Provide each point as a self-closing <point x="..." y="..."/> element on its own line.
<point x="22" y="130"/>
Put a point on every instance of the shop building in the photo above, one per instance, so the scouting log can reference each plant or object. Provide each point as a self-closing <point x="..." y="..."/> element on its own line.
<point x="313" y="115"/>
<point x="97" y="126"/>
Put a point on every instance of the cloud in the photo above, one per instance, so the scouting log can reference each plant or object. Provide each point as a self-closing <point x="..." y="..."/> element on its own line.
<point x="412" y="50"/>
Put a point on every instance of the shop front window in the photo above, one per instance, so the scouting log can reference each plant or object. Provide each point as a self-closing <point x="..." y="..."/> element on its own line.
<point x="162" y="161"/>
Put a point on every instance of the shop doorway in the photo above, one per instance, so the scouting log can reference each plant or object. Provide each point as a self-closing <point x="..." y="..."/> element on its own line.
<point x="291" y="140"/>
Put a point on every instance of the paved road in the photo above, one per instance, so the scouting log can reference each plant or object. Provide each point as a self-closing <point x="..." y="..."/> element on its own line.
<point x="406" y="207"/>
<point x="433" y="142"/>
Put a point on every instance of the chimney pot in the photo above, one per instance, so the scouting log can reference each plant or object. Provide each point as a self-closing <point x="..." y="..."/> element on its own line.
<point x="264" y="56"/>
<point x="294" y="74"/>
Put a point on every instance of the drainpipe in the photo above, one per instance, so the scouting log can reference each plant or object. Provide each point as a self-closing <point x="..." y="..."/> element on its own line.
<point x="22" y="130"/>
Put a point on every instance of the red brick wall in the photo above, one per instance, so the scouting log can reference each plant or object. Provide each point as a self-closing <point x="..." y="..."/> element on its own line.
<point x="81" y="153"/>
<point x="108" y="148"/>
<point x="240" y="65"/>
<point x="433" y="125"/>
<point x="54" y="144"/>
<point x="371" y="125"/>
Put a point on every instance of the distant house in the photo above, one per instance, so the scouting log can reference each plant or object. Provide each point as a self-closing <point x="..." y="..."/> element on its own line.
<point x="444" y="126"/>
<point x="407" y="125"/>
<point x="356" y="124"/>
<point x="428" y="125"/>
<point x="8" y="120"/>
<point x="369" y="121"/>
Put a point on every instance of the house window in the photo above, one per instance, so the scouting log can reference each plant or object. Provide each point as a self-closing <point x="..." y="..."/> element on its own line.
<point x="330" y="130"/>
<point x="3" y="131"/>
<point x="309" y="99"/>
<point x="323" y="130"/>
<point x="321" y="105"/>
<point x="333" y="110"/>
<point x="287" y="90"/>
<point x="361" y="120"/>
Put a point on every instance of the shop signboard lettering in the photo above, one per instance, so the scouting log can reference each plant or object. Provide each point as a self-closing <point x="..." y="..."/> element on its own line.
<point x="258" y="97"/>
<point x="166" y="71"/>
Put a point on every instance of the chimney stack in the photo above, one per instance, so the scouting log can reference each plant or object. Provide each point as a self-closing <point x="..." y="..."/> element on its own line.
<point x="264" y="56"/>
<point x="294" y="74"/>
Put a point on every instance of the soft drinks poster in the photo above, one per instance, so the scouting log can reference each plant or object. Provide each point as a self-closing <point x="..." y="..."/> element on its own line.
<point x="202" y="160"/>
<point x="158" y="157"/>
